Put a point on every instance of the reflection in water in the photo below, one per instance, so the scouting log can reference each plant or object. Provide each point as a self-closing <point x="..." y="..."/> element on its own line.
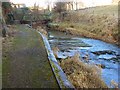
<point x="98" y="52"/>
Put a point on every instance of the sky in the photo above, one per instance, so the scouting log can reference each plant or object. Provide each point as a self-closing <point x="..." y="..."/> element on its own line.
<point x="30" y="2"/>
<point x="97" y="2"/>
<point x="43" y="3"/>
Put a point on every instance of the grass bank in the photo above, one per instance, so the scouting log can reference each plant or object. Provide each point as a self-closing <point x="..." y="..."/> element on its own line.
<point x="97" y="22"/>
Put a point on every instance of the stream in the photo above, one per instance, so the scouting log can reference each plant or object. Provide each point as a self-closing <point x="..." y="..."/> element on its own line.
<point x="97" y="52"/>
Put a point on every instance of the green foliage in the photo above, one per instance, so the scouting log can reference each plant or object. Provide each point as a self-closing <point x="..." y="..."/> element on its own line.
<point x="47" y="16"/>
<point x="7" y="12"/>
<point x="6" y="5"/>
<point x="22" y="13"/>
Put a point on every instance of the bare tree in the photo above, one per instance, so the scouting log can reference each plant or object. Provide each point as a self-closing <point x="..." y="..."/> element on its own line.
<point x="60" y="8"/>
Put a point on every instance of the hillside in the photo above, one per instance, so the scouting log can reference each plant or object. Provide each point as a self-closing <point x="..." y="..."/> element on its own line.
<point x="97" y="22"/>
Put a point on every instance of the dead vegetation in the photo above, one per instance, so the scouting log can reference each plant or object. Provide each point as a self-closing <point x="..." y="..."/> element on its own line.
<point x="7" y="42"/>
<point x="42" y="30"/>
<point x="98" y="23"/>
<point x="55" y="51"/>
<point x="82" y="75"/>
<point x="10" y="33"/>
<point x="114" y="84"/>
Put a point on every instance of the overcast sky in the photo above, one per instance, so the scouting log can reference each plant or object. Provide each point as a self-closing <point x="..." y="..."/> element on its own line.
<point x="44" y="2"/>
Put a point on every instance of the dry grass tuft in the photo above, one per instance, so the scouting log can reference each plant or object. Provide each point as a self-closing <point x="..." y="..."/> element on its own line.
<point x="114" y="84"/>
<point x="55" y="51"/>
<point x="43" y="31"/>
<point x="82" y="75"/>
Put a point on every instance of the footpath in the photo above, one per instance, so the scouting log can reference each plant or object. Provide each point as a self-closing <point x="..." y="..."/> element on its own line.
<point x="25" y="62"/>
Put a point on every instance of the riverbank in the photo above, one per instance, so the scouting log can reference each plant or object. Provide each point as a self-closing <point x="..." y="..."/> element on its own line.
<point x="79" y="73"/>
<point x="24" y="61"/>
<point x="91" y="52"/>
<point x="97" y="23"/>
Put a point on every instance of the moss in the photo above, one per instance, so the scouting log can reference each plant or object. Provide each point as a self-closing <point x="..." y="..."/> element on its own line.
<point x="5" y="70"/>
<point x="56" y="71"/>
<point x="26" y="61"/>
<point x="7" y="46"/>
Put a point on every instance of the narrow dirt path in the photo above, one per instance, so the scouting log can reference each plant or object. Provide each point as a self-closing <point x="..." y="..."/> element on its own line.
<point x="25" y="62"/>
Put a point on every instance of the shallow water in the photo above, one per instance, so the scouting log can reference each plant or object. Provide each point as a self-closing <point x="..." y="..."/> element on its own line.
<point x="97" y="52"/>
